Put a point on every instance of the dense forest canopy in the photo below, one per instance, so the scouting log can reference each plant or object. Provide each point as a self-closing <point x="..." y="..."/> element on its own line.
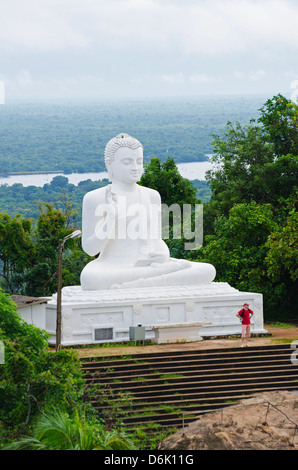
<point x="72" y="137"/>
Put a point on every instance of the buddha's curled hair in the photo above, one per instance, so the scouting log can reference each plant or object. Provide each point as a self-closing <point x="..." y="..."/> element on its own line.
<point x="121" y="140"/>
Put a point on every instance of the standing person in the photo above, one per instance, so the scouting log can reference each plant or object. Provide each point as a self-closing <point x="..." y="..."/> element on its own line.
<point x="245" y="314"/>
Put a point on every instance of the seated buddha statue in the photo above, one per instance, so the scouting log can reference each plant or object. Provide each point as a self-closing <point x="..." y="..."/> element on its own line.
<point x="121" y="223"/>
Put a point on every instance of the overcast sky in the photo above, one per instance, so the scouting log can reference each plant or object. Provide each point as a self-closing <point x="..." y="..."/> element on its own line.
<point x="141" y="48"/>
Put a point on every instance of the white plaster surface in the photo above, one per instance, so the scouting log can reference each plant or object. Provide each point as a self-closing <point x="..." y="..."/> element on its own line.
<point x="85" y="312"/>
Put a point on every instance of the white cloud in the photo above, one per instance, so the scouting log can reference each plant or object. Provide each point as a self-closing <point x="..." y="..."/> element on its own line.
<point x="153" y="46"/>
<point x="37" y="25"/>
<point x="257" y="75"/>
<point x="200" y="78"/>
<point x="176" y="78"/>
<point x="192" y="27"/>
<point x="251" y="75"/>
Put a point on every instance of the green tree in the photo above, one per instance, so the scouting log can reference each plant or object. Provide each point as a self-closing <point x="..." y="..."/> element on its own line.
<point x="257" y="162"/>
<point x="283" y="250"/>
<point x="16" y="251"/>
<point x="279" y="118"/>
<point x="32" y="376"/>
<point x="246" y="169"/>
<point x="166" y="179"/>
<point x="28" y="251"/>
<point x="41" y="278"/>
<point x="256" y="168"/>
<point x="238" y="250"/>
<point x="53" y="224"/>
<point x="282" y="255"/>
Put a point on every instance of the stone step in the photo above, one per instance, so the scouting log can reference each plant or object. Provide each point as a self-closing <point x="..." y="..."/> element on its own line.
<point x="144" y="387"/>
<point x="176" y="401"/>
<point x="194" y="396"/>
<point x="190" y="364"/>
<point x="210" y="404"/>
<point x="173" y="375"/>
<point x="187" y="388"/>
<point x="189" y="361"/>
<point x="168" y="357"/>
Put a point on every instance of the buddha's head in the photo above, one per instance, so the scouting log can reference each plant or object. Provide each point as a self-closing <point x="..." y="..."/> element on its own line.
<point x="124" y="158"/>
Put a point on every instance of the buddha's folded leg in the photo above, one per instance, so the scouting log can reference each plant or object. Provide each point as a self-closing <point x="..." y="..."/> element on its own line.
<point x="198" y="273"/>
<point x="101" y="276"/>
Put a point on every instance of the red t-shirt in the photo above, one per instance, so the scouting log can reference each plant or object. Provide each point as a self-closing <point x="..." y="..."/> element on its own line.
<point x="246" y="316"/>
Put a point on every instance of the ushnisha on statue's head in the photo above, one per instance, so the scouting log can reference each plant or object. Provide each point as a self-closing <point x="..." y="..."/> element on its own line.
<point x="120" y="141"/>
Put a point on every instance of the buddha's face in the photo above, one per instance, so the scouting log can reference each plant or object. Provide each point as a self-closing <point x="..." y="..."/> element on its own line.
<point x="127" y="165"/>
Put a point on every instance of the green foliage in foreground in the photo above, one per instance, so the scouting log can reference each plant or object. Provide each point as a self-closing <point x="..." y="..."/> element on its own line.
<point x="32" y="377"/>
<point x="44" y="402"/>
<point x="56" y="430"/>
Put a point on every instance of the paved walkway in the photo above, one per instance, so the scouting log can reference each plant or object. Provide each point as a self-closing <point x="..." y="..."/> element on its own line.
<point x="276" y="335"/>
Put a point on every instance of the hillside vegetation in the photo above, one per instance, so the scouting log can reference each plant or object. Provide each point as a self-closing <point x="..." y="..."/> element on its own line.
<point x="250" y="221"/>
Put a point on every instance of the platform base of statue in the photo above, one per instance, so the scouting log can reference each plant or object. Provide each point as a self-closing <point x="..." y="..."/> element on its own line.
<point x="90" y="317"/>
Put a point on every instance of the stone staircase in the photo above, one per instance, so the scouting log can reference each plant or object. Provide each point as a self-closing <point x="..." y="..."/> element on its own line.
<point x="171" y="389"/>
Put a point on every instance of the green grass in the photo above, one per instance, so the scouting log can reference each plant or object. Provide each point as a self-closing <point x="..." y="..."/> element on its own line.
<point x="284" y="340"/>
<point x="149" y="435"/>
<point x="170" y="376"/>
<point x="282" y="325"/>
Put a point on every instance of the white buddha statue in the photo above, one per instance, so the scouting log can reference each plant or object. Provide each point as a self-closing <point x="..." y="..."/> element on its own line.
<point x="121" y="222"/>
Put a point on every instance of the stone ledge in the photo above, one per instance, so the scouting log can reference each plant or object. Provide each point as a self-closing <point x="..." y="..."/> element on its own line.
<point x="75" y="294"/>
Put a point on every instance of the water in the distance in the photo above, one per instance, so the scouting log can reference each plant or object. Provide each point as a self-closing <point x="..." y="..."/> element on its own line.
<point x="190" y="170"/>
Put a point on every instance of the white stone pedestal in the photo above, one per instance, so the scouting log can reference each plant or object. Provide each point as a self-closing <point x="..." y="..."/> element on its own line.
<point x="90" y="317"/>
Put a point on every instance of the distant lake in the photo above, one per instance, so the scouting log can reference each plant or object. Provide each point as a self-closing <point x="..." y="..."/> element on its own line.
<point x="191" y="171"/>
